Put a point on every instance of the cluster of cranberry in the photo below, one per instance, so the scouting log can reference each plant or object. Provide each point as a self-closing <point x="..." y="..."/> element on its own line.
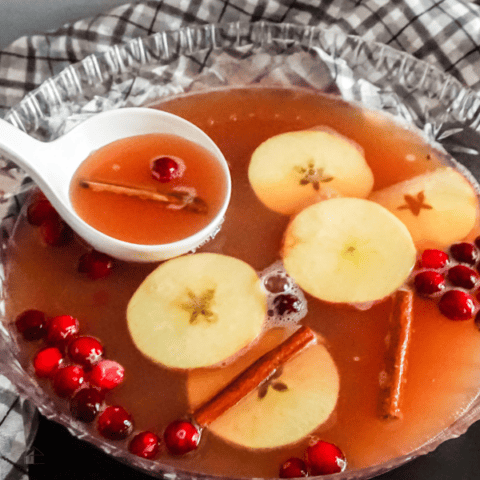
<point x="55" y="232"/>
<point x="76" y="366"/>
<point x="321" y="458"/>
<point x="452" y="278"/>
<point x="79" y="373"/>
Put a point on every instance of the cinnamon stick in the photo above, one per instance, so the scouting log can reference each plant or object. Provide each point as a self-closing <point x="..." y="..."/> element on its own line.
<point x="182" y="199"/>
<point x="400" y="323"/>
<point x="253" y="376"/>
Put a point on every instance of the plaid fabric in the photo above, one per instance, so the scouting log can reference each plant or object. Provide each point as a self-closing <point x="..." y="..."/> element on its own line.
<point x="17" y="428"/>
<point x="442" y="32"/>
<point x="445" y="33"/>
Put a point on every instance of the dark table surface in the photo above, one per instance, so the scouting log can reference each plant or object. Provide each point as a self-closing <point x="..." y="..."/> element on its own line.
<point x="57" y="455"/>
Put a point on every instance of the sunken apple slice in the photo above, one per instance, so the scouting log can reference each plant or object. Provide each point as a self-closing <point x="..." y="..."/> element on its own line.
<point x="196" y="310"/>
<point x="438" y="207"/>
<point x="287" y="406"/>
<point x="205" y="383"/>
<point x="348" y="250"/>
<point x="290" y="171"/>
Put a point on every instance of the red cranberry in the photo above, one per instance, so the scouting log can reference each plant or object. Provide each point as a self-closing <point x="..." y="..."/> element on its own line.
<point x="165" y="169"/>
<point x="95" y="264"/>
<point x="464" y="252"/>
<point x="181" y="437"/>
<point x="39" y="210"/>
<point x="86" y="404"/>
<point x="115" y="423"/>
<point x="47" y="361"/>
<point x="54" y="231"/>
<point x="145" y="445"/>
<point x="61" y="329"/>
<point x="457" y="305"/>
<point x="292" y="468"/>
<point x="429" y="282"/>
<point x="287" y="303"/>
<point x="85" y="350"/>
<point x="462" y="276"/>
<point x="68" y="380"/>
<point x="433" y="258"/>
<point x="323" y="458"/>
<point x="31" y="324"/>
<point x="106" y="375"/>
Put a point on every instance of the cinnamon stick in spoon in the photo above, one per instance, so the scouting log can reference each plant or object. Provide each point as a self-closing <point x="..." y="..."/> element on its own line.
<point x="183" y="199"/>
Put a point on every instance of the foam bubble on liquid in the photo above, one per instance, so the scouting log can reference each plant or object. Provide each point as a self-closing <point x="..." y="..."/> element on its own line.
<point x="277" y="284"/>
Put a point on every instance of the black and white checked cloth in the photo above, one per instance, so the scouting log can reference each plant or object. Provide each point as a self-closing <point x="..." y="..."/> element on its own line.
<point x="445" y="33"/>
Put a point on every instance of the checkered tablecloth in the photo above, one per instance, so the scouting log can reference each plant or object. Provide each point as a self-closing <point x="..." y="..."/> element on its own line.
<point x="445" y="33"/>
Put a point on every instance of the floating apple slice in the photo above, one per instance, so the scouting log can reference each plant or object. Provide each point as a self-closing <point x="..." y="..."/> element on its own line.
<point x="348" y="250"/>
<point x="293" y="170"/>
<point x="196" y="310"/>
<point x="289" y="405"/>
<point x="438" y="207"/>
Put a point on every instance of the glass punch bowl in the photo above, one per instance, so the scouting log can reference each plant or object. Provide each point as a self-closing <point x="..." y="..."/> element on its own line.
<point x="145" y="71"/>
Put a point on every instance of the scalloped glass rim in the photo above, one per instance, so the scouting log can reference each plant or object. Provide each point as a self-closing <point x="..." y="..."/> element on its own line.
<point x="147" y="70"/>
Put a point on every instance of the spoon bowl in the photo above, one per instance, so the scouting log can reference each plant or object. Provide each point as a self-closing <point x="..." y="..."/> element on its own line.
<point x="52" y="165"/>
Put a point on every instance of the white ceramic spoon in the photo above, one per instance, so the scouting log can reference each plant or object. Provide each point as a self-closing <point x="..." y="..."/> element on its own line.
<point x="52" y="164"/>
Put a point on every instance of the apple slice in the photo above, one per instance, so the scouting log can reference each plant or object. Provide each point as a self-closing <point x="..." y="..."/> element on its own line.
<point x="438" y="207"/>
<point x="348" y="250"/>
<point x="290" y="171"/>
<point x="197" y="310"/>
<point x="289" y="405"/>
